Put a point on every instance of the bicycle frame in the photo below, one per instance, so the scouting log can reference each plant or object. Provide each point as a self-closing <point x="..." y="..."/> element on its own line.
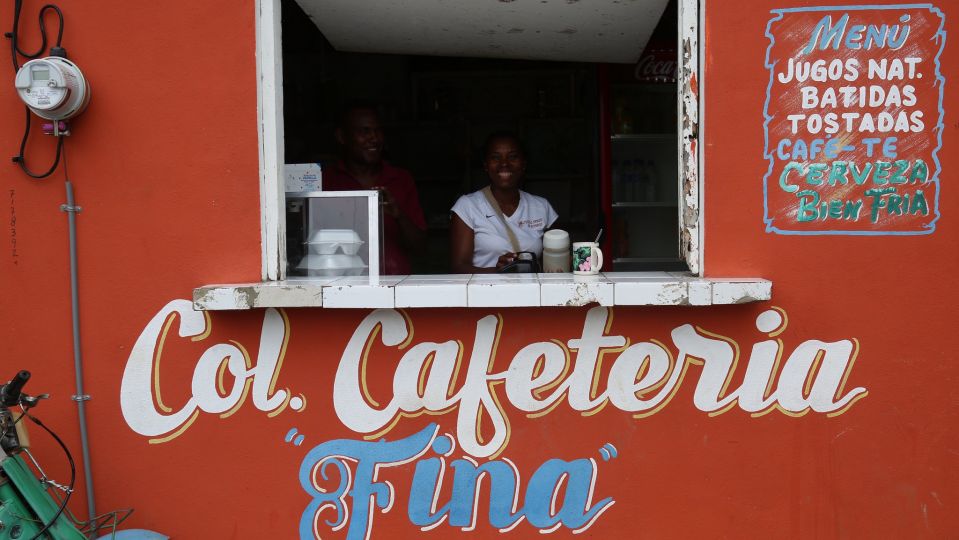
<point x="27" y="510"/>
<point x="25" y="505"/>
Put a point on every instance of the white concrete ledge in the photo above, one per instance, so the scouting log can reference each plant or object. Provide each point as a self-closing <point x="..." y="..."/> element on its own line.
<point x="489" y="290"/>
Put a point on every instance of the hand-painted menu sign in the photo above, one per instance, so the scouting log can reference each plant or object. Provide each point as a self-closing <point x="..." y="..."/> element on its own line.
<point x="853" y="120"/>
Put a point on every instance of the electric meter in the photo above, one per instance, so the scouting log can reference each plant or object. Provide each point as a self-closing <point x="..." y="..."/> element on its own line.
<point x="53" y="88"/>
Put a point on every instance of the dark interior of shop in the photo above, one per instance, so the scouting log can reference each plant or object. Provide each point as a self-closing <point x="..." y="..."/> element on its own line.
<point x="437" y="112"/>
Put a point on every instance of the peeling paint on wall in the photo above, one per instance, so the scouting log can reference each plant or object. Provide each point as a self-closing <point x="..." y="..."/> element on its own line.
<point x="689" y="135"/>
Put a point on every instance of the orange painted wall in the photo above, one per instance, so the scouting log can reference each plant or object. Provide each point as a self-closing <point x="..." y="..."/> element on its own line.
<point x="164" y="164"/>
<point x="882" y="469"/>
<point x="165" y="167"/>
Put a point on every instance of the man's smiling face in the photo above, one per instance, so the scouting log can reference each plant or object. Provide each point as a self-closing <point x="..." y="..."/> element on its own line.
<point x="362" y="137"/>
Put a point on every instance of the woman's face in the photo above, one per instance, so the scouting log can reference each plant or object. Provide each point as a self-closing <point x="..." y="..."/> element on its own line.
<point x="505" y="163"/>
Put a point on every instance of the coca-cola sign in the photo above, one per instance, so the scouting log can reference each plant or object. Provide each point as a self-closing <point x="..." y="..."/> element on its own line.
<point x="658" y="65"/>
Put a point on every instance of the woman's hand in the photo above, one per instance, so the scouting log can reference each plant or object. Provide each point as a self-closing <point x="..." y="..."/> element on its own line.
<point x="505" y="259"/>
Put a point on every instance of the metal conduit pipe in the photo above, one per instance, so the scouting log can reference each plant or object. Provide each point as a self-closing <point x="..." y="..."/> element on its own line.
<point x="80" y="398"/>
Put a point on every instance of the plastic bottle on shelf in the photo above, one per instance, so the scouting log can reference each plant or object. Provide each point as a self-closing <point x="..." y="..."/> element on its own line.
<point x="647" y="123"/>
<point x="627" y="125"/>
<point x="665" y="195"/>
<point x="622" y="119"/>
<point x="617" y="179"/>
<point x="642" y="181"/>
<point x="629" y="180"/>
<point x="621" y="237"/>
<point x="652" y="181"/>
<point x="667" y="117"/>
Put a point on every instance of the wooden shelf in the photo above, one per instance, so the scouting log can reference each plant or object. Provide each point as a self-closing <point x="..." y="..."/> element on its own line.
<point x="540" y="177"/>
<point x="646" y="259"/>
<point x="644" y="205"/>
<point x="643" y="137"/>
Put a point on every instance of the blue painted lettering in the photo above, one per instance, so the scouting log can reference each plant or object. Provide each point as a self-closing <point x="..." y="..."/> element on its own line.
<point x="559" y="493"/>
<point x="827" y="35"/>
<point x="788" y="188"/>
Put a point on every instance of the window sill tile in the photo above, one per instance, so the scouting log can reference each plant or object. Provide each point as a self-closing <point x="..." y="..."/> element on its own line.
<point x="415" y="292"/>
<point x="299" y="293"/>
<point x="651" y="291"/>
<point x="609" y="289"/>
<point x="359" y="292"/>
<point x="570" y="290"/>
<point x="493" y="290"/>
<point x="488" y="279"/>
<point x="740" y="291"/>
<point x="458" y="278"/>
<point x="634" y="277"/>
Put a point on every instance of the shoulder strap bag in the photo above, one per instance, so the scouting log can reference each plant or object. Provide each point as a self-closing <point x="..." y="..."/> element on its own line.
<point x="499" y="212"/>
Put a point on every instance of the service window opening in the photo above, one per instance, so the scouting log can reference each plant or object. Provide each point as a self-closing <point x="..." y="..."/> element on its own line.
<point x="437" y="112"/>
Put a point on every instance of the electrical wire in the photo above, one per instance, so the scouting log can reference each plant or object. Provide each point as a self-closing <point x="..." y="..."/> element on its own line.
<point x="20" y="159"/>
<point x="73" y="470"/>
<point x="91" y="528"/>
<point x="73" y="475"/>
<point x="13" y="424"/>
<point x="17" y="8"/>
<point x="111" y="519"/>
<point x="62" y="148"/>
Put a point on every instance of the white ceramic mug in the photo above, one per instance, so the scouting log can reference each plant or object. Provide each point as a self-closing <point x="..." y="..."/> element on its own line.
<point x="587" y="258"/>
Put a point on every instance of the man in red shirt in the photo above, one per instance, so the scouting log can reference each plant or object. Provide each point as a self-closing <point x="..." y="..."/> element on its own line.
<point x="362" y="167"/>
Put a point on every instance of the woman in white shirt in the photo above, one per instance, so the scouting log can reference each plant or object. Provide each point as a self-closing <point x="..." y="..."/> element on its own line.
<point x="481" y="242"/>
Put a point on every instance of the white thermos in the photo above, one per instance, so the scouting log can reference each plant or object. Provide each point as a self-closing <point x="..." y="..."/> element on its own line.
<point x="556" y="255"/>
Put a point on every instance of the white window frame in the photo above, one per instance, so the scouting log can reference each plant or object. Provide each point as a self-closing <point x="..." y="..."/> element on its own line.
<point x="269" y="105"/>
<point x="270" y="123"/>
<point x="689" y="51"/>
<point x="498" y="290"/>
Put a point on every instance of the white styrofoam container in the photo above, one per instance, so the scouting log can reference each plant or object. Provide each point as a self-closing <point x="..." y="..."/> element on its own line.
<point x="328" y="241"/>
<point x="332" y="265"/>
